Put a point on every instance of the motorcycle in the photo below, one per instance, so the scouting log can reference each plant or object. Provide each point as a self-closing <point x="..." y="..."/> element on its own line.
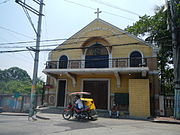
<point x="88" y="112"/>
<point x="71" y="111"/>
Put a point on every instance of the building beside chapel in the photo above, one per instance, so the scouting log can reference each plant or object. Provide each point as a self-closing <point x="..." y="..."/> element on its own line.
<point x="115" y="66"/>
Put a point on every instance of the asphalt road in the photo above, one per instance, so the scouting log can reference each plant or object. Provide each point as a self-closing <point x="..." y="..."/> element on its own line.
<point x="19" y="125"/>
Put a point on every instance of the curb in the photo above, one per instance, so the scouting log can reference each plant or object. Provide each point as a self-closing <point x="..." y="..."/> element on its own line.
<point x="38" y="115"/>
<point x="19" y="114"/>
<point x="44" y="118"/>
<point x="165" y="122"/>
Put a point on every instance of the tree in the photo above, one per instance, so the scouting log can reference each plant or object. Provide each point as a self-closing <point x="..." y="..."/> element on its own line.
<point x="155" y="29"/>
<point x="39" y="85"/>
<point x="22" y="87"/>
<point x="16" y="80"/>
<point x="14" y="73"/>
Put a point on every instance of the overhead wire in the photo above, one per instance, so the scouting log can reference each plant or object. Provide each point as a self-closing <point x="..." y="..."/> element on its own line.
<point x="45" y="31"/>
<point x="60" y="39"/>
<point x="5" y="1"/>
<point x="116" y="7"/>
<point x="29" y="18"/>
<point x="70" y="48"/>
<point x="19" y="58"/>
<point x="107" y="12"/>
<point x="7" y="29"/>
<point x="57" y="44"/>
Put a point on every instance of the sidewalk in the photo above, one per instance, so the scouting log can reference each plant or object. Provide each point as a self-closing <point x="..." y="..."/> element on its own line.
<point x="14" y="114"/>
<point x="169" y="120"/>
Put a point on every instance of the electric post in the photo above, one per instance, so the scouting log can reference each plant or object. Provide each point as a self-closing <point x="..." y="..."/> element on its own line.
<point x="176" y="57"/>
<point x="36" y="59"/>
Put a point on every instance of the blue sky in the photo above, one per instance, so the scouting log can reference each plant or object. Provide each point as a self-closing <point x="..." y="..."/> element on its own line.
<point x="62" y="19"/>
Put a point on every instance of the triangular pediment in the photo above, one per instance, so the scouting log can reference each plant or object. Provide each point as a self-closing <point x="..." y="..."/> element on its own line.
<point x="101" y="28"/>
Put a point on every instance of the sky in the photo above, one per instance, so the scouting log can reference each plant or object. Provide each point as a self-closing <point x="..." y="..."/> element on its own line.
<point x="62" y="19"/>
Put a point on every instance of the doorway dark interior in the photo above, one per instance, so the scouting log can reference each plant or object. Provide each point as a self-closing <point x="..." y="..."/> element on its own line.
<point x="61" y="93"/>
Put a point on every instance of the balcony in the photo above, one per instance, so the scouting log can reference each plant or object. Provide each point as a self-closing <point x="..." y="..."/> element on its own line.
<point x="150" y="62"/>
<point x="101" y="66"/>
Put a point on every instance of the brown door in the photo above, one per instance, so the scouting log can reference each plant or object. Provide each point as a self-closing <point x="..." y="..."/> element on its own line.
<point x="61" y="93"/>
<point x="99" y="92"/>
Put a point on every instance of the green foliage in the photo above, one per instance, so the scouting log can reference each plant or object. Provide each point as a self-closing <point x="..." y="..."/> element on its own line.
<point x="14" y="73"/>
<point x="156" y="29"/>
<point x="39" y="86"/>
<point x="18" y="86"/>
<point x="16" y="80"/>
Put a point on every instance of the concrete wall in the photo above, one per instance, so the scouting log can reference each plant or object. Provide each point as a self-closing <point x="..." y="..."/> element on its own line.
<point x="20" y="104"/>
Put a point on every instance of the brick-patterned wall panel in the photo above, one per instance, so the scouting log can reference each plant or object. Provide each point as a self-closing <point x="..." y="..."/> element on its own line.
<point x="139" y="98"/>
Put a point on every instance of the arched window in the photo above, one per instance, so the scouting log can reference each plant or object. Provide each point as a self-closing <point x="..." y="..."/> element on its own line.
<point x="63" y="61"/>
<point x="97" y="57"/>
<point x="135" y="59"/>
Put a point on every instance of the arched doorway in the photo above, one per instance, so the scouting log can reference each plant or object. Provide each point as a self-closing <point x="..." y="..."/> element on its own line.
<point x="97" y="57"/>
<point x="135" y="59"/>
<point x="63" y="61"/>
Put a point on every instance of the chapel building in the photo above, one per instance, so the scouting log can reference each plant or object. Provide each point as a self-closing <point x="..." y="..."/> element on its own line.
<point x="113" y="65"/>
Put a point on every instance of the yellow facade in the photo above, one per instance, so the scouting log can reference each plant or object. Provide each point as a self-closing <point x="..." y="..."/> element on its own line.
<point x="99" y="29"/>
<point x="122" y="89"/>
<point x="139" y="98"/>
<point x="119" y="44"/>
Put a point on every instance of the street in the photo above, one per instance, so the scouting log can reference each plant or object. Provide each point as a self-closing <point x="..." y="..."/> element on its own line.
<point x="19" y="125"/>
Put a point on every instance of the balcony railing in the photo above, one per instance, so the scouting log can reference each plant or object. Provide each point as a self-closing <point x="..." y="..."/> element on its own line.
<point x="150" y="62"/>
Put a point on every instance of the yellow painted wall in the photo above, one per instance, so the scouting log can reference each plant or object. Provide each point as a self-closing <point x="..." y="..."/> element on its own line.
<point x="105" y="30"/>
<point x="113" y="83"/>
<point x="133" y="86"/>
<point x="139" y="100"/>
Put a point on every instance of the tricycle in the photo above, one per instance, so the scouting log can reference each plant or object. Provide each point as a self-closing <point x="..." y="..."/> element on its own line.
<point x="87" y="112"/>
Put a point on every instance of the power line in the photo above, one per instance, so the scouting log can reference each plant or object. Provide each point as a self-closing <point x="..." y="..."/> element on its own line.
<point x="60" y="39"/>
<point x="29" y="18"/>
<point x="71" y="48"/>
<point x="116" y="7"/>
<point x="118" y="15"/>
<point x="95" y="9"/>
<point x="68" y="43"/>
<point x="11" y="51"/>
<point x="5" y="1"/>
<point x="18" y="58"/>
<point x="16" y="32"/>
<point x="80" y="4"/>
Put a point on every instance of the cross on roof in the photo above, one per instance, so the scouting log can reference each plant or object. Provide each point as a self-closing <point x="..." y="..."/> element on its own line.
<point x="98" y="12"/>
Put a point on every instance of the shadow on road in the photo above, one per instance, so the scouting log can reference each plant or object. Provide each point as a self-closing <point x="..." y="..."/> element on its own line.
<point x="75" y="124"/>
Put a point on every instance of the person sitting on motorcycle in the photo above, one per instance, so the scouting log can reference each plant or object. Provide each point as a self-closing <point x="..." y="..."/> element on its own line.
<point x="78" y="103"/>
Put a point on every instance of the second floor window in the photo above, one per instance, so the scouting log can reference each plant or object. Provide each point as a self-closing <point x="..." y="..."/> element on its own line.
<point x="97" y="57"/>
<point x="63" y="61"/>
<point x="135" y="59"/>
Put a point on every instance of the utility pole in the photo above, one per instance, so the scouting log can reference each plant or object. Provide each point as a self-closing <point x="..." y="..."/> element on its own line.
<point x="176" y="57"/>
<point x="36" y="59"/>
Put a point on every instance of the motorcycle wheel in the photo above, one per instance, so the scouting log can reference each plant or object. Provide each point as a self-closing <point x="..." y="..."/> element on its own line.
<point x="85" y="115"/>
<point x="67" y="114"/>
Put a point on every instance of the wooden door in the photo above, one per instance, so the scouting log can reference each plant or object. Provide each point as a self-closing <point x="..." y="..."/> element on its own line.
<point x="99" y="92"/>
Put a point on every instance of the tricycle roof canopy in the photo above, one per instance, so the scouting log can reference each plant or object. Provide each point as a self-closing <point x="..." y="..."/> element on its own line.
<point x="80" y="93"/>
